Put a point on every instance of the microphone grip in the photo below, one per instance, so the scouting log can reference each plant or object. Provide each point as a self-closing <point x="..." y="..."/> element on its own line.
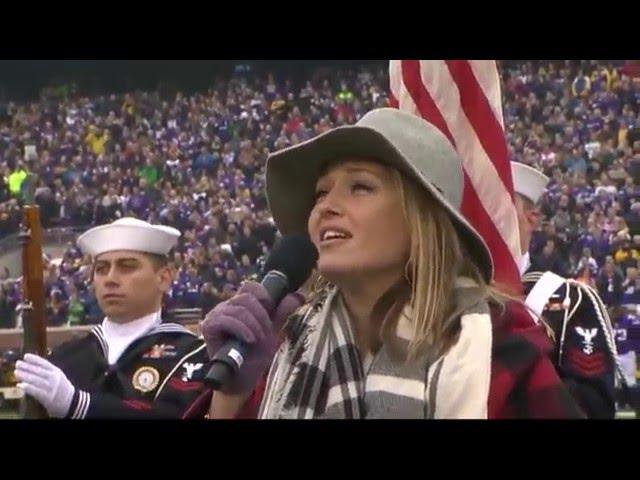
<point x="229" y="359"/>
<point x="226" y="362"/>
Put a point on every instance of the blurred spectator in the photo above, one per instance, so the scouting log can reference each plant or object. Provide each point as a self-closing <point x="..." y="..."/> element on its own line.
<point x="17" y="178"/>
<point x="627" y="332"/>
<point x="57" y="309"/>
<point x="632" y="218"/>
<point x="609" y="284"/>
<point x="586" y="269"/>
<point x="76" y="309"/>
<point x="150" y="172"/>
<point x="549" y="260"/>
<point x="247" y="268"/>
<point x="7" y="307"/>
<point x="631" y="287"/>
<point x="208" y="297"/>
<point x="97" y="140"/>
<point x="624" y="255"/>
<point x="247" y="244"/>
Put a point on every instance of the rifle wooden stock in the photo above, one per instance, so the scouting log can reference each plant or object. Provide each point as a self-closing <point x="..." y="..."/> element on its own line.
<point x="33" y="313"/>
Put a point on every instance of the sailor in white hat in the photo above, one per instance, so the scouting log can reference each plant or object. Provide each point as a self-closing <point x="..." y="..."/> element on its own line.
<point x="585" y="354"/>
<point x="529" y="185"/>
<point x="133" y="365"/>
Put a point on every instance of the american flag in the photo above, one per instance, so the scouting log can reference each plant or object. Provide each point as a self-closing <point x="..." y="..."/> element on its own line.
<point x="463" y="99"/>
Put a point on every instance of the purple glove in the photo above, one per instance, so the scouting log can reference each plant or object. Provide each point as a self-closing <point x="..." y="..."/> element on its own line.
<point x="246" y="317"/>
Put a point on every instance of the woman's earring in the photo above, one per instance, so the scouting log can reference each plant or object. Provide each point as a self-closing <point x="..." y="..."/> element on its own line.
<point x="407" y="274"/>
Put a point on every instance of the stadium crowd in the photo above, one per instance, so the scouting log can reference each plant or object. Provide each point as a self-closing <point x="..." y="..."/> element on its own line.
<point x="193" y="162"/>
<point x="196" y="162"/>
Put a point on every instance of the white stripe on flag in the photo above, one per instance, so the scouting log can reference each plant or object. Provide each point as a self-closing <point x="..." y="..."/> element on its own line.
<point x="482" y="172"/>
<point x="486" y="72"/>
<point x="399" y="89"/>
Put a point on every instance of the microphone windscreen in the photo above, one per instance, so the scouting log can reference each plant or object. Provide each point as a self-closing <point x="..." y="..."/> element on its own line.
<point x="295" y="256"/>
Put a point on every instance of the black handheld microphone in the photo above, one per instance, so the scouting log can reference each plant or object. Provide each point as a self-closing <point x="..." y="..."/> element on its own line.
<point x="287" y="268"/>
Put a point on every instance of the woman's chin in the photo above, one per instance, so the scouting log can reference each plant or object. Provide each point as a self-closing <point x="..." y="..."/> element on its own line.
<point x="339" y="272"/>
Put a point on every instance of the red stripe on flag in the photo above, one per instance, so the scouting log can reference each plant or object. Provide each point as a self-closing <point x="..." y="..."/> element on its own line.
<point x="484" y="122"/>
<point x="505" y="271"/>
<point x="393" y="101"/>
<point x="421" y="97"/>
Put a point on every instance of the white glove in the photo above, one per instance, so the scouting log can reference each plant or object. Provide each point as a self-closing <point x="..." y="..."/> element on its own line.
<point x="46" y="383"/>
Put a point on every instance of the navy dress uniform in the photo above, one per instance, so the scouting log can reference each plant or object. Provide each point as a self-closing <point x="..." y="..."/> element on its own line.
<point x="159" y="375"/>
<point x="144" y="368"/>
<point x="585" y="353"/>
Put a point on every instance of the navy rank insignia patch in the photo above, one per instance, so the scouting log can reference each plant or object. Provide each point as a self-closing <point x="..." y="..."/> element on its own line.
<point x="189" y="370"/>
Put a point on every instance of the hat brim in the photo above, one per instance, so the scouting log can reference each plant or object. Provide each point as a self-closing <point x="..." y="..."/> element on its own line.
<point x="292" y="175"/>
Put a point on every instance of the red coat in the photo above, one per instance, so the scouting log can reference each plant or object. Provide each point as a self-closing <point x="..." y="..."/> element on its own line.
<point x="524" y="381"/>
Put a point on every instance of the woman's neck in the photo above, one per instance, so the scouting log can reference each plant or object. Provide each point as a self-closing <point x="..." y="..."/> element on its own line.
<point x="360" y="298"/>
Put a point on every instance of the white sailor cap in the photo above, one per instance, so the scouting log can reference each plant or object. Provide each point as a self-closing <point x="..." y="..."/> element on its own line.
<point x="528" y="182"/>
<point x="129" y="234"/>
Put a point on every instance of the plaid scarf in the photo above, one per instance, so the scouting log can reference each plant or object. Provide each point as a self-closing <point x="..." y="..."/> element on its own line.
<point x="318" y="372"/>
<point x="515" y="378"/>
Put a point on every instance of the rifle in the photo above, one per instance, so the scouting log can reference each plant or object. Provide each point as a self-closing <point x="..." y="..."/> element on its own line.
<point x="33" y="305"/>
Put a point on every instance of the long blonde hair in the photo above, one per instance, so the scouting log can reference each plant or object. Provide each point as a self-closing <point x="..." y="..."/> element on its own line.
<point x="437" y="259"/>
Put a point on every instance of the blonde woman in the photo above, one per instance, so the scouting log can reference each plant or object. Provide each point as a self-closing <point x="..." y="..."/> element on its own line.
<point x="402" y="321"/>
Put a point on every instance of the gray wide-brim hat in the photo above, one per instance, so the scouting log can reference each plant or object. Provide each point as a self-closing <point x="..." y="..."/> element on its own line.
<point x="392" y="137"/>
